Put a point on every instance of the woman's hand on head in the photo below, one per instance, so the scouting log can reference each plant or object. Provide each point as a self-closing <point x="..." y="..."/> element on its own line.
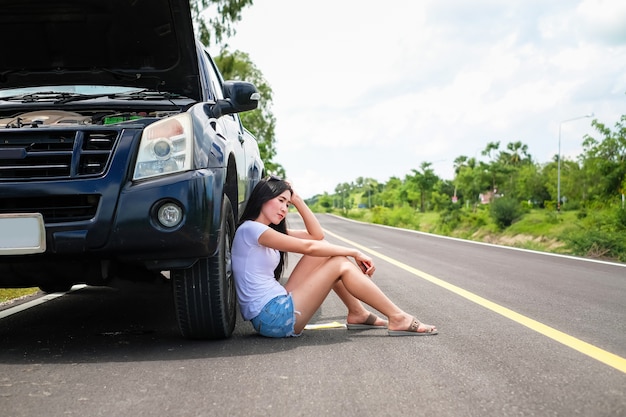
<point x="295" y="197"/>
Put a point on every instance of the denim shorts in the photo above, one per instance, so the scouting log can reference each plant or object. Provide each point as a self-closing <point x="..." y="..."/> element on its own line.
<point x="277" y="318"/>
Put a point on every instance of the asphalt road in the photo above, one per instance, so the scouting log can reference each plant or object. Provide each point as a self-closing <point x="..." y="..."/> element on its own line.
<point x="521" y="334"/>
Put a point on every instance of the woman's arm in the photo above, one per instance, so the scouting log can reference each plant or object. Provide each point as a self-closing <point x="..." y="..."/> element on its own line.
<point x="287" y="243"/>
<point x="313" y="228"/>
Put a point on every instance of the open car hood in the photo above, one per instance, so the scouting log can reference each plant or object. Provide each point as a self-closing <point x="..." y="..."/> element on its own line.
<point x="135" y="43"/>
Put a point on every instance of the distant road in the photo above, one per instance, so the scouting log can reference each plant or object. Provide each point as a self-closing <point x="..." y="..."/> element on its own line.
<point x="521" y="333"/>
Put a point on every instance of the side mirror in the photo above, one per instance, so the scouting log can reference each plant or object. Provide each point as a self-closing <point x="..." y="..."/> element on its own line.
<point x="239" y="96"/>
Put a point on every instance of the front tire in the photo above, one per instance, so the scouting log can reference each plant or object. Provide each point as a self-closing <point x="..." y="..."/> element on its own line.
<point x="205" y="296"/>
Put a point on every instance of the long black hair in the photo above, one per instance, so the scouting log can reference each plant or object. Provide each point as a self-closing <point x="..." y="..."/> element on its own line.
<point x="265" y="190"/>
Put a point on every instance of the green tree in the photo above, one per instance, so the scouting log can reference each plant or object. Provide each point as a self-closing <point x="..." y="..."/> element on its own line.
<point x="472" y="179"/>
<point x="494" y="167"/>
<point x="491" y="146"/>
<point x="460" y="163"/>
<point x="426" y="180"/>
<point x="223" y="14"/>
<point x="573" y="182"/>
<point x="390" y="194"/>
<point x="409" y="193"/>
<point x="417" y="187"/>
<point x="510" y="162"/>
<point x="343" y="193"/>
<point x="518" y="154"/>
<point x="370" y="188"/>
<point x="604" y="161"/>
<point x="531" y="186"/>
<point x="441" y="196"/>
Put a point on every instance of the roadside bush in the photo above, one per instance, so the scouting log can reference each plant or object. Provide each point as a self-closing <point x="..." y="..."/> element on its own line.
<point x="479" y="218"/>
<point x="601" y="234"/>
<point x="505" y="211"/>
<point x="552" y="217"/>
<point x="596" y="244"/>
<point x="357" y="214"/>
<point x="449" y="219"/>
<point x="571" y="205"/>
<point x="405" y="217"/>
<point x="380" y="215"/>
<point x="620" y="219"/>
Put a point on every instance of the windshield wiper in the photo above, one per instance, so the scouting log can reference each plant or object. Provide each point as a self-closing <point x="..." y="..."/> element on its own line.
<point x="128" y="95"/>
<point x="148" y="95"/>
<point x="63" y="97"/>
<point x="51" y="96"/>
<point x="32" y="97"/>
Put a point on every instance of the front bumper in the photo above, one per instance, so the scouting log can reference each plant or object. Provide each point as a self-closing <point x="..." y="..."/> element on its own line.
<point x="124" y="227"/>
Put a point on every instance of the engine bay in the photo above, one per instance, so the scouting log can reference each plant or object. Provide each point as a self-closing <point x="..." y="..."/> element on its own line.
<point x="43" y="118"/>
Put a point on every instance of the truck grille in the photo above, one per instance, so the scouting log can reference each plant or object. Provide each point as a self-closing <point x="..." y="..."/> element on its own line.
<point x="54" y="209"/>
<point x="55" y="154"/>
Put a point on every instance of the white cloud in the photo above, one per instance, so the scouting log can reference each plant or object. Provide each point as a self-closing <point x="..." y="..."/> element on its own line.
<point x="365" y="89"/>
<point x="604" y="19"/>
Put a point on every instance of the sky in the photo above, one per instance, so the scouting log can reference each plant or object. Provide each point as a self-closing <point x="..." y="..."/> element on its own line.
<point x="372" y="89"/>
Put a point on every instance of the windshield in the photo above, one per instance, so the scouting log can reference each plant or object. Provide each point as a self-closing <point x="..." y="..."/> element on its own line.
<point x="78" y="89"/>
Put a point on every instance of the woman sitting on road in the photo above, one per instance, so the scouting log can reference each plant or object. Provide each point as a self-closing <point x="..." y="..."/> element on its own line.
<point x="260" y="246"/>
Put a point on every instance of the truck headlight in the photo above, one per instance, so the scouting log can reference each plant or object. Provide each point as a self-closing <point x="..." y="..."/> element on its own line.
<point x="166" y="147"/>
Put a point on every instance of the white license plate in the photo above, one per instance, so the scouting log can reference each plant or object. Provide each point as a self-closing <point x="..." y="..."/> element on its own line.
<point x="21" y="234"/>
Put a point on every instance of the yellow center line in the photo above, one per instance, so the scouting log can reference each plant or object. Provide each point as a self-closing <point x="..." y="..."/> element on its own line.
<point x="585" y="348"/>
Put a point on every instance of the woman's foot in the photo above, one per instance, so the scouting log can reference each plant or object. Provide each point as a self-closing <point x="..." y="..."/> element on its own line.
<point x="365" y="321"/>
<point x="415" y="328"/>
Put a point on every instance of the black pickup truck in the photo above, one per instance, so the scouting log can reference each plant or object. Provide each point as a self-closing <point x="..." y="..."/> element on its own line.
<point x="121" y="153"/>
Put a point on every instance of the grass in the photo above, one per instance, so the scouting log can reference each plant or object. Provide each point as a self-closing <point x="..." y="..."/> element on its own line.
<point x="542" y="223"/>
<point x="7" y="294"/>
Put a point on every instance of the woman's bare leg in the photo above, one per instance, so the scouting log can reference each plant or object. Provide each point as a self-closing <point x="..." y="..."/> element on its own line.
<point x="357" y="313"/>
<point x="312" y="279"/>
<point x="309" y="284"/>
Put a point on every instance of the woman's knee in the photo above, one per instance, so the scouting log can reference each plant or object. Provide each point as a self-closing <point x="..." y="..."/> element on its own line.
<point x="342" y="263"/>
<point x="333" y="267"/>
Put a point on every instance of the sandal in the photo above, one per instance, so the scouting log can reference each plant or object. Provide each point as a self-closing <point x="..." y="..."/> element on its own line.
<point x="368" y="324"/>
<point x="413" y="330"/>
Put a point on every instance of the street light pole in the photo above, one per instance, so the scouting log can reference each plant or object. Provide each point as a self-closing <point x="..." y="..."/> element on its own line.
<point x="558" y="169"/>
